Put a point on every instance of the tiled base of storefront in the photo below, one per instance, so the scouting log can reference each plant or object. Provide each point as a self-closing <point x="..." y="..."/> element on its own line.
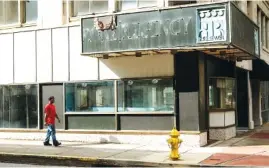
<point x="189" y="140"/>
<point x="222" y="133"/>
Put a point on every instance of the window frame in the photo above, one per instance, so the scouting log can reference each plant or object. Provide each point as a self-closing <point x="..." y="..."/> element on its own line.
<point x="27" y="120"/>
<point x="263" y="23"/>
<point x="74" y="18"/>
<point x="23" y="14"/>
<point x="235" y="91"/>
<point x="116" y="111"/>
<point x="119" y="6"/>
<point x="85" y="112"/>
<point x="148" y="112"/>
<point x="21" y="17"/>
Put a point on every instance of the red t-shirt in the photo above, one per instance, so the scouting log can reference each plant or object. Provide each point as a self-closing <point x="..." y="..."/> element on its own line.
<point x="51" y="113"/>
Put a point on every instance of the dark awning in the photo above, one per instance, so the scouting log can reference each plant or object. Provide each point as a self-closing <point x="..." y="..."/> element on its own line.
<point x="260" y="70"/>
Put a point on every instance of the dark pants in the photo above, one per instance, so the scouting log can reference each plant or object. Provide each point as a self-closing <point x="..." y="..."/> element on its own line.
<point x="51" y="132"/>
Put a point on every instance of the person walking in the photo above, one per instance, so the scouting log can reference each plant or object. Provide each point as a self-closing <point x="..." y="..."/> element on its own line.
<point x="50" y="115"/>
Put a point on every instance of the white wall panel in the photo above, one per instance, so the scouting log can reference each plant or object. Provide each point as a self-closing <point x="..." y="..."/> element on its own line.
<point x="24" y="57"/>
<point x="81" y="67"/>
<point x="229" y="118"/>
<point x="216" y="119"/>
<point x="44" y="58"/>
<point x="245" y="64"/>
<point x="145" y="66"/>
<point x="50" y="13"/>
<point x="60" y="54"/>
<point x="6" y="58"/>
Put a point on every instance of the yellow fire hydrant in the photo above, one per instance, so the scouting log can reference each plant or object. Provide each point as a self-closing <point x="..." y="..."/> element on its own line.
<point x="174" y="142"/>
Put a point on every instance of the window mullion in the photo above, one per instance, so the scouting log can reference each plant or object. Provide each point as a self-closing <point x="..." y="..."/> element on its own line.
<point x="90" y="3"/>
<point x="21" y="11"/>
<point x="5" y="12"/>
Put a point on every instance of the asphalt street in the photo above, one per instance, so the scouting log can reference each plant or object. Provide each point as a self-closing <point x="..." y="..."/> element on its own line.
<point x="26" y="165"/>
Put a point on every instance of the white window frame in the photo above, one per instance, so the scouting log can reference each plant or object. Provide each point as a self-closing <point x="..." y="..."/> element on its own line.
<point x="21" y="17"/>
<point x="111" y="8"/>
<point x="159" y="3"/>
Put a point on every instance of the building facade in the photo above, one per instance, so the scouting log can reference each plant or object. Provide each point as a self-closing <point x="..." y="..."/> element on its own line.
<point x="130" y="71"/>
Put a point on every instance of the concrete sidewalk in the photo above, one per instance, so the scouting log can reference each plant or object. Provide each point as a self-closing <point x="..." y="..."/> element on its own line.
<point x="82" y="154"/>
<point x="247" y="149"/>
<point x="98" y="154"/>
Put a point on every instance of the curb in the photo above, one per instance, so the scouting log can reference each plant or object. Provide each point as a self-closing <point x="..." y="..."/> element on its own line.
<point x="55" y="160"/>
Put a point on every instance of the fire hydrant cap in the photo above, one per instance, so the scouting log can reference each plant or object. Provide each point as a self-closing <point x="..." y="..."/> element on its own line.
<point x="174" y="132"/>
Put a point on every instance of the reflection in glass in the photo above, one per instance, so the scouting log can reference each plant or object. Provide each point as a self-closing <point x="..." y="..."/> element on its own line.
<point x="11" y="12"/>
<point x="89" y="97"/>
<point x="264" y="95"/>
<point x="147" y="3"/>
<point x="31" y="10"/>
<point x="80" y="8"/>
<point x="128" y="4"/>
<point x="90" y="6"/>
<point x="8" y="12"/>
<point x="98" y="6"/>
<point x="221" y="93"/>
<point x="1" y="108"/>
<point x="146" y="95"/>
<point x="19" y="104"/>
<point x="6" y="96"/>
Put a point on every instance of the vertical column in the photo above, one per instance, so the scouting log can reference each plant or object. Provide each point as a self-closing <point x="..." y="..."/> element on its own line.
<point x="250" y="109"/>
<point x="263" y="19"/>
<point x="256" y="100"/>
<point x="259" y="104"/>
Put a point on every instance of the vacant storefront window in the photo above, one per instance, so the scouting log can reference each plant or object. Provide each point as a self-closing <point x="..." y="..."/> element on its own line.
<point x="221" y="93"/>
<point x="18" y="106"/>
<point x="89" y="97"/>
<point x="8" y="12"/>
<point x="89" y="7"/>
<point x="145" y="95"/>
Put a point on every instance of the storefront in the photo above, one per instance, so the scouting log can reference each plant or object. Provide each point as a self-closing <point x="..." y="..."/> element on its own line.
<point x="140" y="73"/>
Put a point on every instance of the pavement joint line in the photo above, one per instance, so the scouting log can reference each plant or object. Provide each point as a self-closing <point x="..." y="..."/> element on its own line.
<point x="127" y="150"/>
<point x="240" y="158"/>
<point x="243" y="138"/>
<point x="215" y="144"/>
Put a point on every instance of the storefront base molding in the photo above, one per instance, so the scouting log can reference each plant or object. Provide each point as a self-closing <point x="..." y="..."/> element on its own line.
<point x="222" y="133"/>
<point x="189" y="140"/>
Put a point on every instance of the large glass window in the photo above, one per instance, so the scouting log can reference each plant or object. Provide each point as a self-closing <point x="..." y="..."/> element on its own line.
<point x="90" y="97"/>
<point x="221" y="93"/>
<point x="8" y="12"/>
<point x="18" y="105"/>
<point x="89" y="7"/>
<point x="145" y="95"/>
<point x="133" y="4"/>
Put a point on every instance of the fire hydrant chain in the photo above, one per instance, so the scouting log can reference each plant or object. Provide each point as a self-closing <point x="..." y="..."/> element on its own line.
<point x="174" y="143"/>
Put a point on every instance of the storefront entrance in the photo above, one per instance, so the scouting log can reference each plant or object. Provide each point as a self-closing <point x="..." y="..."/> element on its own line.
<point x="55" y="90"/>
